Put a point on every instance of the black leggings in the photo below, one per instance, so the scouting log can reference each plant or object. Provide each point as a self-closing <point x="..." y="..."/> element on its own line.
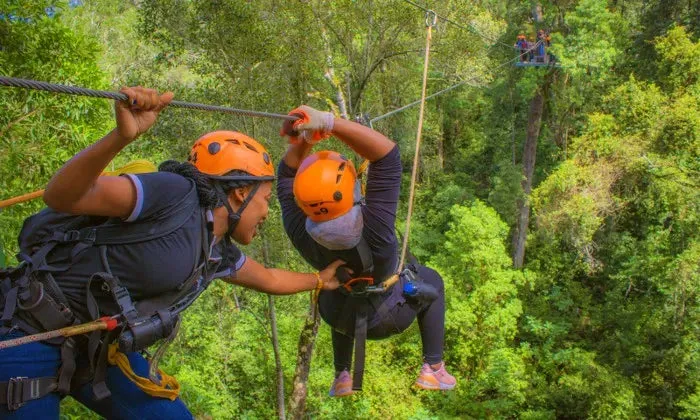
<point x="431" y="321"/>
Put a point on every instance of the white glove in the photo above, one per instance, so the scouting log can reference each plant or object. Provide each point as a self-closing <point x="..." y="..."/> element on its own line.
<point x="314" y="125"/>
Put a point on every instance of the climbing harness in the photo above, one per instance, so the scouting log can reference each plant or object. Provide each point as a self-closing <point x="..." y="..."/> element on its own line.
<point x="365" y="292"/>
<point x="33" y="302"/>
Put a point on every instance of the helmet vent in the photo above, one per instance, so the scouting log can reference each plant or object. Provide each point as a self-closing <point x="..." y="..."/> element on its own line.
<point x="251" y="147"/>
<point x="214" y="148"/>
<point x="234" y="141"/>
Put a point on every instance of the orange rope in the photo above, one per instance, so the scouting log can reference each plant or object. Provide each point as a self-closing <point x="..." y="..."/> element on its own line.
<point x="104" y="323"/>
<point x="21" y="198"/>
<point x="134" y="167"/>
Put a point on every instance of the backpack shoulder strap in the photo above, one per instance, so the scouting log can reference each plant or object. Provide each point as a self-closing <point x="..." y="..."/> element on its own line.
<point x="115" y="232"/>
<point x="365" y="253"/>
<point x="112" y="232"/>
<point x="198" y="280"/>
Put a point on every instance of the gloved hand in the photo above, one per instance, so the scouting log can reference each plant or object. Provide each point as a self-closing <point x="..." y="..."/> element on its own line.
<point x="288" y="128"/>
<point x="312" y="126"/>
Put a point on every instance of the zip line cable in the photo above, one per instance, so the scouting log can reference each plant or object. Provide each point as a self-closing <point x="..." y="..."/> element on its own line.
<point x="414" y="103"/>
<point x="455" y="86"/>
<point x="74" y="90"/>
<point x="469" y="26"/>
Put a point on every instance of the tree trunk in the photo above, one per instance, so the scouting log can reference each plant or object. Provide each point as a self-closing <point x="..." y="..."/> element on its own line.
<point x="330" y="76"/>
<point x="297" y="402"/>
<point x="275" y="340"/>
<point x="537" y="14"/>
<point x="278" y="360"/>
<point x="441" y="151"/>
<point x="529" y="153"/>
<point x="442" y="134"/>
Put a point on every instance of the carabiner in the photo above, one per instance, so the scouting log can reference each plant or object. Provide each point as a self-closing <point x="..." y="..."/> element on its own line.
<point x="430" y="19"/>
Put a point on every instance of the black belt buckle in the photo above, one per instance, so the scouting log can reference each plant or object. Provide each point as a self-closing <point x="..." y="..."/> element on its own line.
<point x="71" y="236"/>
<point x="11" y="393"/>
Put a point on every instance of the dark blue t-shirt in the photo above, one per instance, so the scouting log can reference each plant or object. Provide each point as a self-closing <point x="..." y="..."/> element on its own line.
<point x="153" y="267"/>
<point x="378" y="212"/>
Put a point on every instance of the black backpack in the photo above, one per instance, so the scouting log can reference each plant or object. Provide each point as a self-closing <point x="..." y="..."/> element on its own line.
<point x="31" y="299"/>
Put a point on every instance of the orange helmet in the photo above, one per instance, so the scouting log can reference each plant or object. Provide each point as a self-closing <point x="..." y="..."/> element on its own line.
<point x="220" y="152"/>
<point x="521" y="36"/>
<point x="324" y="186"/>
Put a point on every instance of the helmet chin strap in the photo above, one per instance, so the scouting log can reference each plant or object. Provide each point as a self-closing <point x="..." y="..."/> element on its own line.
<point x="234" y="217"/>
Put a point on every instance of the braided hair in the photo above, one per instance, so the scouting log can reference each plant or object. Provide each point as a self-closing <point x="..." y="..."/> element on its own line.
<point x="208" y="198"/>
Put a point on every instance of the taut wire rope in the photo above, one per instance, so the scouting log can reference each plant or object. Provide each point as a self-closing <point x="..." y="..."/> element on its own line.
<point x="74" y="90"/>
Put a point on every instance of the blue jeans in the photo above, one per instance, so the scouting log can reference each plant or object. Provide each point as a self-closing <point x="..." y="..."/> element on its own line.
<point x="127" y="401"/>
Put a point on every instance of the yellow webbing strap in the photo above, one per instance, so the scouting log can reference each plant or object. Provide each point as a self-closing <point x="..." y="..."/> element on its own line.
<point x="363" y="166"/>
<point x="361" y="171"/>
<point x="169" y="387"/>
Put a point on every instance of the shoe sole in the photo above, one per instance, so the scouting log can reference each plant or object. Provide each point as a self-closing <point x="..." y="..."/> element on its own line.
<point x="432" y="387"/>
<point x="341" y="394"/>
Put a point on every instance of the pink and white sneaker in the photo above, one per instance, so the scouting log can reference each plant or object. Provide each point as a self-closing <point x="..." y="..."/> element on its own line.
<point x="342" y="385"/>
<point x="435" y="379"/>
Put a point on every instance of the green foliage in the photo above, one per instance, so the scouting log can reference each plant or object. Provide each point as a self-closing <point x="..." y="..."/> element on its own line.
<point x="39" y="131"/>
<point x="595" y="42"/>
<point x="680" y="61"/>
<point x="691" y="405"/>
<point x="506" y="190"/>
<point x="483" y="309"/>
<point x="624" y="211"/>
<point x="428" y="233"/>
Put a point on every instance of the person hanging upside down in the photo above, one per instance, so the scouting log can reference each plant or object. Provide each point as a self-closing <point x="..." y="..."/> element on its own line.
<point x="140" y="248"/>
<point x="327" y="218"/>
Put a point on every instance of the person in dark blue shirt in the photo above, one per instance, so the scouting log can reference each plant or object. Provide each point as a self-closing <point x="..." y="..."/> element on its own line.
<point x="327" y="218"/>
<point x="221" y="196"/>
<point x="521" y="45"/>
